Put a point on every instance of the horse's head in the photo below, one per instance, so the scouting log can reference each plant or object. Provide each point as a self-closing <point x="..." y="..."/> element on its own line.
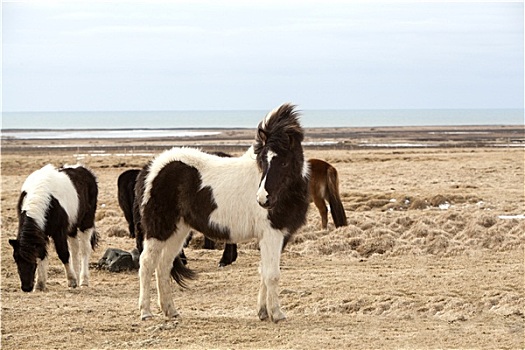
<point x="26" y="264"/>
<point x="279" y="154"/>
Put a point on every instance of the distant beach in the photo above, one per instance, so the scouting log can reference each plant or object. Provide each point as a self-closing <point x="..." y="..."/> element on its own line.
<point x="326" y="118"/>
<point x="230" y="139"/>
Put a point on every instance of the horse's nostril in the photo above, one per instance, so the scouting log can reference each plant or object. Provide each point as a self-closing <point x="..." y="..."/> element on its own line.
<point x="27" y="289"/>
<point x="267" y="204"/>
<point x="264" y="205"/>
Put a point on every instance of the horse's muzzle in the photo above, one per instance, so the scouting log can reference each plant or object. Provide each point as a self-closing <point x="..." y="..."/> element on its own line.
<point x="27" y="289"/>
<point x="265" y="205"/>
<point x="264" y="200"/>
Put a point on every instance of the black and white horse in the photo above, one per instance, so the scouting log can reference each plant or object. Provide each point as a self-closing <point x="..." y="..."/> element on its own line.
<point x="126" y="199"/>
<point x="61" y="204"/>
<point x="262" y="194"/>
<point x="323" y="187"/>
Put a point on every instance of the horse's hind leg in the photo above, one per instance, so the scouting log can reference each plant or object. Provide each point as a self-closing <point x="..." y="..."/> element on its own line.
<point x="172" y="247"/>
<point x="321" y="206"/>
<point x="268" y="301"/>
<point x="84" y="240"/>
<point x="148" y="263"/>
<point x="74" y="249"/>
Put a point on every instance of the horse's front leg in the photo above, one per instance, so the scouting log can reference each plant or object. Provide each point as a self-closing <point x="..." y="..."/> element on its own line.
<point x="268" y="301"/>
<point x="61" y="246"/>
<point x="261" y="299"/>
<point x="148" y="263"/>
<point x="41" y="274"/>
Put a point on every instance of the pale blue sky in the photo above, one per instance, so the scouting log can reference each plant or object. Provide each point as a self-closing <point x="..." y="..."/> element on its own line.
<point x="159" y="55"/>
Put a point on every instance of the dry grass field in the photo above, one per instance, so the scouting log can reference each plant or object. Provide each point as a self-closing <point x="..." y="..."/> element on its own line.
<point x="427" y="261"/>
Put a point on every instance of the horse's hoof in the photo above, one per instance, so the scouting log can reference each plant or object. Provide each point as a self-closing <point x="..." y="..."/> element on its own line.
<point x="41" y="287"/>
<point x="72" y="284"/>
<point x="279" y="318"/>
<point x="263" y="314"/>
<point x="146" y="317"/>
<point x="171" y="313"/>
<point x="173" y="316"/>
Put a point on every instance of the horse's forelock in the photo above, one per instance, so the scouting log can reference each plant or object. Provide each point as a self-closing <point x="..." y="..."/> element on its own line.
<point x="279" y="129"/>
<point x="31" y="240"/>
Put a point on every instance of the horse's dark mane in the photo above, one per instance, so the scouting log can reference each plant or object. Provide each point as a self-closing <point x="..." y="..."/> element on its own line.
<point x="280" y="130"/>
<point x="32" y="240"/>
<point x="282" y="133"/>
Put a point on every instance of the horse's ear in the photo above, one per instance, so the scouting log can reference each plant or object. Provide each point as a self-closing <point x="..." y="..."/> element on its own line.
<point x="263" y="136"/>
<point x="14" y="243"/>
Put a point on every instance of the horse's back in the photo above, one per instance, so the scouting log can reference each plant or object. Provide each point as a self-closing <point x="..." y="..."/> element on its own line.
<point x="213" y="194"/>
<point x="86" y="186"/>
<point x="318" y="178"/>
<point x="127" y="179"/>
<point x="44" y="184"/>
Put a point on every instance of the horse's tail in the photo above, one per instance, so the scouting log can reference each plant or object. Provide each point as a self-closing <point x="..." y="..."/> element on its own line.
<point x="180" y="272"/>
<point x="336" y="207"/>
<point x="94" y="239"/>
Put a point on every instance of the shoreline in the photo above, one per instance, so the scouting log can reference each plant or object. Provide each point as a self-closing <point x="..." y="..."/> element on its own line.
<point x="252" y="129"/>
<point x="318" y="138"/>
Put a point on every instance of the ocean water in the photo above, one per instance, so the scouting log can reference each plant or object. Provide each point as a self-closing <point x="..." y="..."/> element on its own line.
<point x="151" y="120"/>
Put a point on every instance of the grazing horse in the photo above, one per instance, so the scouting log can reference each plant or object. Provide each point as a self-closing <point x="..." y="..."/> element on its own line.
<point x="61" y="204"/>
<point x="324" y="186"/>
<point x="262" y="194"/>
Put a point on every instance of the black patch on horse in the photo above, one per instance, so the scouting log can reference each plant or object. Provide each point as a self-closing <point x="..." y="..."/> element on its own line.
<point x="126" y="196"/>
<point x="186" y="199"/>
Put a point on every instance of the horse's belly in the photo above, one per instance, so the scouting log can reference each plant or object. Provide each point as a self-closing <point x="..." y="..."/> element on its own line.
<point x="243" y="224"/>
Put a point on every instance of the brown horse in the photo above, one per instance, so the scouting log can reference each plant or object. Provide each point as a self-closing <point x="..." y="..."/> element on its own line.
<point x="324" y="186"/>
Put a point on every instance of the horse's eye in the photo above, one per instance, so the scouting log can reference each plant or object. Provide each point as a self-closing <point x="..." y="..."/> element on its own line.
<point x="284" y="164"/>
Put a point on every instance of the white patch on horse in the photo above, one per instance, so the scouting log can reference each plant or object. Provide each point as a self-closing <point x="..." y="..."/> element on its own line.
<point x="306" y="170"/>
<point x="233" y="182"/>
<point x="40" y="186"/>
<point x="262" y="194"/>
<point x="269" y="116"/>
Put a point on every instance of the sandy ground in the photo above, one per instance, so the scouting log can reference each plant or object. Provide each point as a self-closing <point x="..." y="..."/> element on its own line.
<point x="426" y="262"/>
